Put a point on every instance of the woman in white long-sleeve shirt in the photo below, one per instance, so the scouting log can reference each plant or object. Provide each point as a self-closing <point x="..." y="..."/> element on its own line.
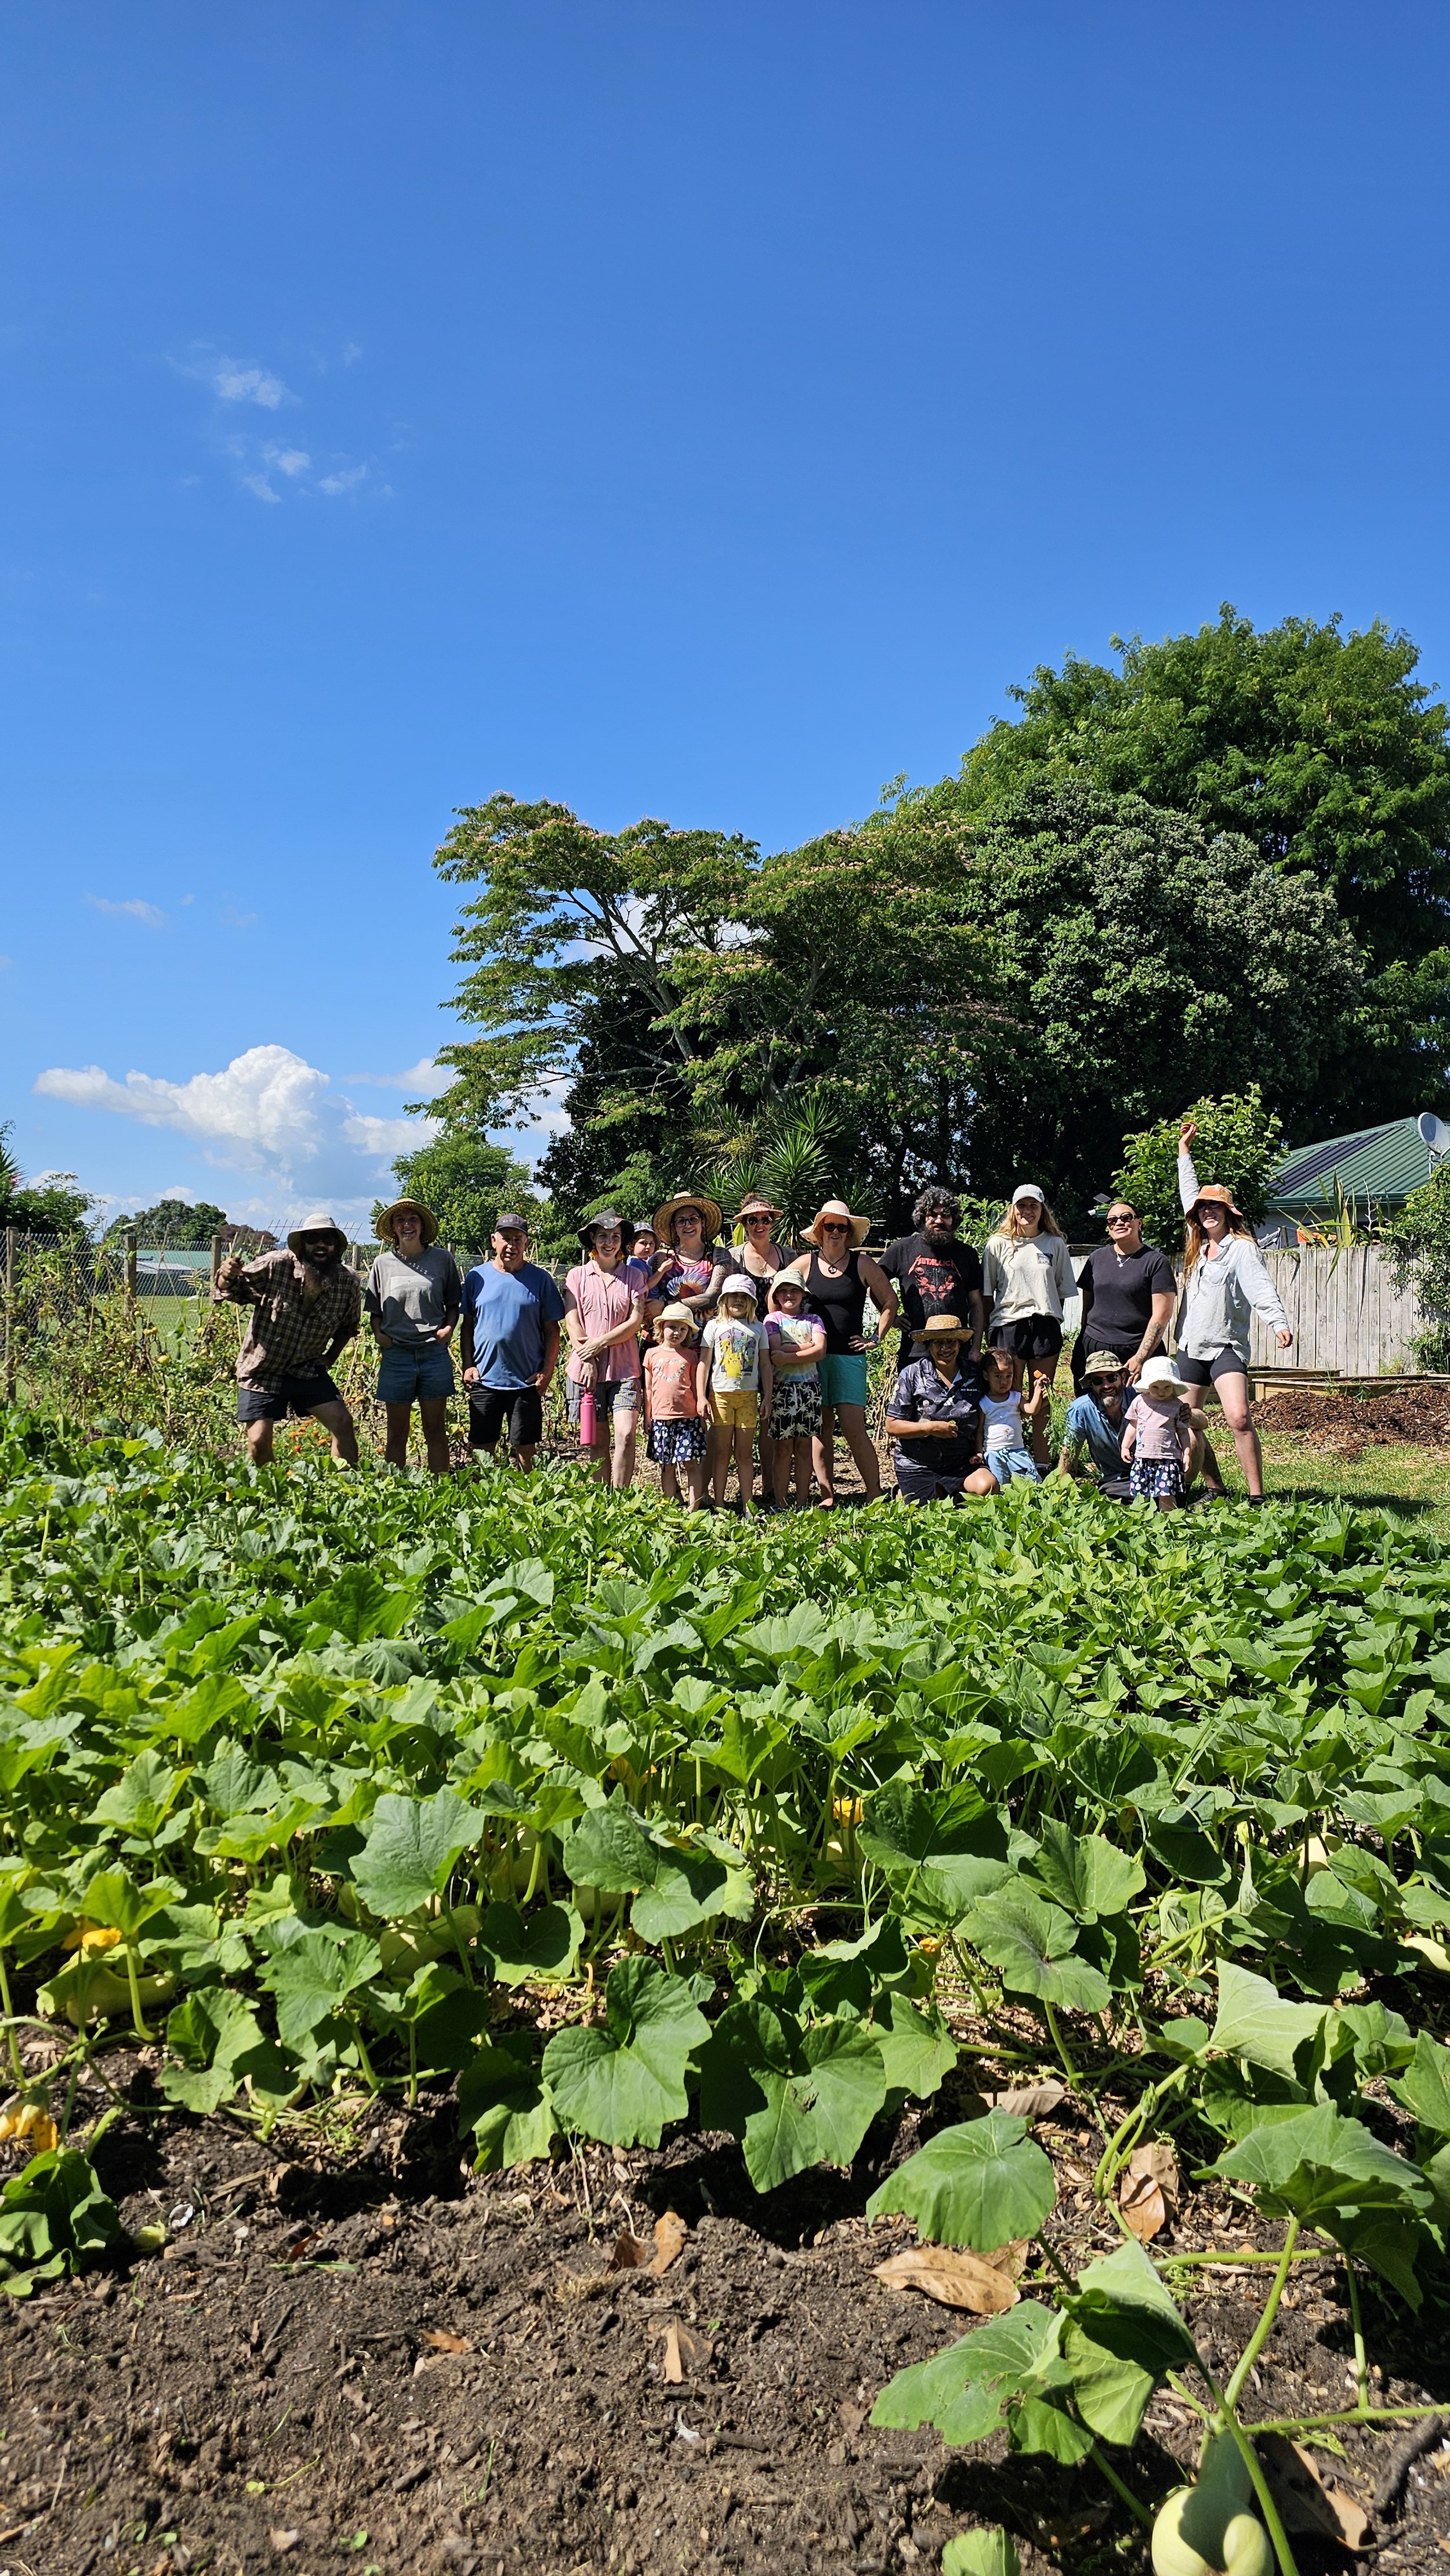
<point x="1225" y="1284"/>
<point x="1028" y="1276"/>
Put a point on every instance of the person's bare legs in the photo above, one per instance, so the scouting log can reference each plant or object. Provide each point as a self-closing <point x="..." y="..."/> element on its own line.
<point x="853" y="1432"/>
<point x="622" y="1468"/>
<point x="768" y="1448"/>
<point x="717" y="1464"/>
<point x="395" y="1445"/>
<point x="433" y="1415"/>
<point x="745" y="1466"/>
<point x="695" y="1484"/>
<point x="823" y="1455"/>
<point x="1202" y="1460"/>
<point x="981" y="1485"/>
<point x="1232" y="1391"/>
<point x="259" y="1443"/>
<point x="338" y="1423"/>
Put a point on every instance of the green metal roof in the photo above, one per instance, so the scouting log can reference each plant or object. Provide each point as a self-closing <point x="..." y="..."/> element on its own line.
<point x="1382" y="1164"/>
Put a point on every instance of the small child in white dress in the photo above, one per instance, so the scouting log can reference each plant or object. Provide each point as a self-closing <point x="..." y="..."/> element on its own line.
<point x="1008" y="1423"/>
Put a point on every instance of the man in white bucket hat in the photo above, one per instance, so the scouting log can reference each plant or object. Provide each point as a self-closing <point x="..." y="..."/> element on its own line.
<point x="306" y="1307"/>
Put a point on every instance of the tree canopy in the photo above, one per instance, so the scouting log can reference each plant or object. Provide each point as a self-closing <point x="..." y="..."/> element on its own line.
<point x="173" y="1221"/>
<point x="1320" y="747"/>
<point x="53" y="1203"/>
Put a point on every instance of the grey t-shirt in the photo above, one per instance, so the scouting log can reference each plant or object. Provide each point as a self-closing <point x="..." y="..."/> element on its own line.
<point x="409" y="1300"/>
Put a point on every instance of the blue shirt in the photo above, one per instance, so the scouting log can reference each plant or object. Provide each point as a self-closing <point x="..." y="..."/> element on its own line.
<point x="1086" y="1421"/>
<point x="505" y="1313"/>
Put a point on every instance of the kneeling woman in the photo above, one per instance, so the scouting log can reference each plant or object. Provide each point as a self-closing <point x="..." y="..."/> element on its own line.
<point x="935" y="1420"/>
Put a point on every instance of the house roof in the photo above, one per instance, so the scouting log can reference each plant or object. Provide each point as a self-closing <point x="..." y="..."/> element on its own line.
<point x="1382" y="1164"/>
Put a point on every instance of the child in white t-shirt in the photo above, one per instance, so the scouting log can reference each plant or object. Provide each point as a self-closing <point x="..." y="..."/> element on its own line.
<point x="1008" y="1423"/>
<point x="735" y="1372"/>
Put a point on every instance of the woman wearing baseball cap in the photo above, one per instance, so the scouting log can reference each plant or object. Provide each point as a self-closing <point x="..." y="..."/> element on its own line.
<point x="1225" y="1284"/>
<point x="1027" y="1274"/>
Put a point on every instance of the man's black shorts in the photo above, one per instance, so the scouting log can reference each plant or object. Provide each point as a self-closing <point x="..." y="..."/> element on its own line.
<point x="1032" y="1337"/>
<point x="299" y="1395"/>
<point x="489" y="1407"/>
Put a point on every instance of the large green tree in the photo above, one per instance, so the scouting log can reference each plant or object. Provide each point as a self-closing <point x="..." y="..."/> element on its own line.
<point x="181" y="1222"/>
<point x="53" y="1203"/>
<point x="1321" y="748"/>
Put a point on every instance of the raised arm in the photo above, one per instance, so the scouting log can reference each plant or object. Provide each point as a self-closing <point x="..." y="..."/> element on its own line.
<point x="1187" y="1176"/>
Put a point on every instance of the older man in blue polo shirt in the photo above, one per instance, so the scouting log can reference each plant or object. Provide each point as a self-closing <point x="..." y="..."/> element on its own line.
<point x="512" y="1311"/>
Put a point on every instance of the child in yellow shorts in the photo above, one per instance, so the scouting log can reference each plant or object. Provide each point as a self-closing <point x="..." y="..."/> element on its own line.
<point x="735" y="1372"/>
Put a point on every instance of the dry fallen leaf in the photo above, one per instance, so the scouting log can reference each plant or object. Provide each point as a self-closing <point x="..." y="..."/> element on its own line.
<point x="670" y="2237"/>
<point x="1027" y="2101"/>
<point x="1011" y="2259"/>
<point x="436" y="2338"/>
<point x="683" y="2353"/>
<point x="282" y="2541"/>
<point x="952" y="2278"/>
<point x="1305" y="2504"/>
<point x="628" y="2253"/>
<point x="1148" y="2193"/>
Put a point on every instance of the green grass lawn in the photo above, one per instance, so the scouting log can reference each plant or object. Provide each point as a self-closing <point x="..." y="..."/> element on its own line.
<point x="1415" y="1483"/>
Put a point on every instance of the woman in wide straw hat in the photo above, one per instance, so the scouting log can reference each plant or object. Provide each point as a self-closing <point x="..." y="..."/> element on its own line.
<point x="691" y="1267"/>
<point x="934" y="1419"/>
<point x="413" y="1300"/>
<point x="839" y="1276"/>
<point x="1225" y="1284"/>
<point x="760" y="1259"/>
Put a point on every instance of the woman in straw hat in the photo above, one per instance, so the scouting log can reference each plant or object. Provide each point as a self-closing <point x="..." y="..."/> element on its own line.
<point x="838" y="1277"/>
<point x="1225" y="1284"/>
<point x="412" y="1300"/>
<point x="760" y="1258"/>
<point x="691" y="1269"/>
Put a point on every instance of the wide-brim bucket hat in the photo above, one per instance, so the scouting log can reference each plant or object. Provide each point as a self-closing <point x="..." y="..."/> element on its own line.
<point x="319" y="1222"/>
<point x="608" y="1221"/>
<point x="786" y="1278"/>
<point x="943" y="1328"/>
<point x="1217" y="1196"/>
<point x="407" y="1207"/>
<point x="1160" y="1377"/>
<point x="1103" y="1364"/>
<point x="678" y="1314"/>
<point x="860" y="1225"/>
<point x="711" y="1212"/>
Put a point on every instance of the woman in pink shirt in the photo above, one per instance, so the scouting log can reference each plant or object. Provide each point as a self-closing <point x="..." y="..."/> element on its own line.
<point x="604" y="1312"/>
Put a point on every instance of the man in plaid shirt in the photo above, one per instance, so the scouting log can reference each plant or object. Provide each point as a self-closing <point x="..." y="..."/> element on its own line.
<point x="307" y="1306"/>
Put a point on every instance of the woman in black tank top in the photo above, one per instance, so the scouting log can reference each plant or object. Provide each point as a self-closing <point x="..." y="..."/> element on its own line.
<point x="838" y="1281"/>
<point x="840" y="1302"/>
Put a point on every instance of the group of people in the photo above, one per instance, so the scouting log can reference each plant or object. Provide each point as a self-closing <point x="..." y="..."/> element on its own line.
<point x="717" y="1349"/>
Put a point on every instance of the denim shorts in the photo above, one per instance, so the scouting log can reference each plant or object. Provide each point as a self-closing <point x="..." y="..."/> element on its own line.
<point x="842" y="1377"/>
<point x="1004" y="1464"/>
<point x="409" y="1370"/>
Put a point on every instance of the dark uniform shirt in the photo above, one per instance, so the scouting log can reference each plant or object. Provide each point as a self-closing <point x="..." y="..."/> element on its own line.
<point x="924" y="1395"/>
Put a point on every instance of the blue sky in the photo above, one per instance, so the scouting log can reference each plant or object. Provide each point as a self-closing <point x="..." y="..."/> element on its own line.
<point x="698" y="412"/>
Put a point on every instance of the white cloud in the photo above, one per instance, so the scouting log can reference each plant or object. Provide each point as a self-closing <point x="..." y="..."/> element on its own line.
<point x="259" y="484"/>
<point x="269" y="1112"/>
<point x="346" y="479"/>
<point x="288" y="460"/>
<point x="133" y="909"/>
<point x="235" y="383"/>
<point x="412" y="1080"/>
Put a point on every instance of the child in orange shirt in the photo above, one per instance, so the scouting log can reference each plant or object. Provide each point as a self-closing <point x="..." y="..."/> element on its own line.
<point x="674" y="1433"/>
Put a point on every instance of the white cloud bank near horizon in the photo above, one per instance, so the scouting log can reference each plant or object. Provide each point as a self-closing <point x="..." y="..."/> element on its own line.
<point x="268" y="1113"/>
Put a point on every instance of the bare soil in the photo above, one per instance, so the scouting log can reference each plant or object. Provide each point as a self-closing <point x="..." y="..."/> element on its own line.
<point x="1415" y="1417"/>
<point x="388" y="2363"/>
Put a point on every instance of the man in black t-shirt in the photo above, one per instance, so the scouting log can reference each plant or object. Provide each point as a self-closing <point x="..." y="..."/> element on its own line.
<point x="1128" y="1295"/>
<point x="934" y="1273"/>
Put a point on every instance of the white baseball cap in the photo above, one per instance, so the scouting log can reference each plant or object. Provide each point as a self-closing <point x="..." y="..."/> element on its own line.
<point x="1028" y="1190"/>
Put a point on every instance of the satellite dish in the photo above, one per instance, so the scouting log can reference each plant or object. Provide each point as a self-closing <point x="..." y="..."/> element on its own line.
<point x="1434" y="1132"/>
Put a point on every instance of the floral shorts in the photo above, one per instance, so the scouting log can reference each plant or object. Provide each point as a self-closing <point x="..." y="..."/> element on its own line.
<point x="1156" y="1479"/>
<point x="795" y="1408"/>
<point x="677" y="1444"/>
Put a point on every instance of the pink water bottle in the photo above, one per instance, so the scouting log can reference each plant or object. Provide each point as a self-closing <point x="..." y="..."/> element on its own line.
<point x="586" y="1418"/>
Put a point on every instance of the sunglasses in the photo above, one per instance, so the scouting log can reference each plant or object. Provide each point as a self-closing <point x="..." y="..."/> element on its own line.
<point x="1122" y="1220"/>
<point x="832" y="1227"/>
<point x="757" y="1220"/>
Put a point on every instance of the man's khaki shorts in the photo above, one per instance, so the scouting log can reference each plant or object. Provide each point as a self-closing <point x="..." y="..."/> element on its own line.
<point x="735" y="1412"/>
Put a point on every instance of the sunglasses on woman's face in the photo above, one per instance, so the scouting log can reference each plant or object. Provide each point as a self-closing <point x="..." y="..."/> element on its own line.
<point x="753" y="1221"/>
<point x="833" y="1228"/>
<point x="1122" y="1218"/>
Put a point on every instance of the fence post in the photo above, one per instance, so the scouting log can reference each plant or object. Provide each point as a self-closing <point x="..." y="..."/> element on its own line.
<point x="218" y="1253"/>
<point x="10" y="1314"/>
<point x="129" y="1241"/>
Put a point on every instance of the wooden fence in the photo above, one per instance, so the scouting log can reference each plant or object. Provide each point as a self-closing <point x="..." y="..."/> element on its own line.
<point x="1347" y="1313"/>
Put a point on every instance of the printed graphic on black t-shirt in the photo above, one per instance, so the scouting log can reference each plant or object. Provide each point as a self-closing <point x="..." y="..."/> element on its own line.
<point x="934" y="1279"/>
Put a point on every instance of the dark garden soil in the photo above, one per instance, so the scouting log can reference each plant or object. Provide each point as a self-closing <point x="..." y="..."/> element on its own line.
<point x="1349" y="1423"/>
<point x="391" y="2364"/>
